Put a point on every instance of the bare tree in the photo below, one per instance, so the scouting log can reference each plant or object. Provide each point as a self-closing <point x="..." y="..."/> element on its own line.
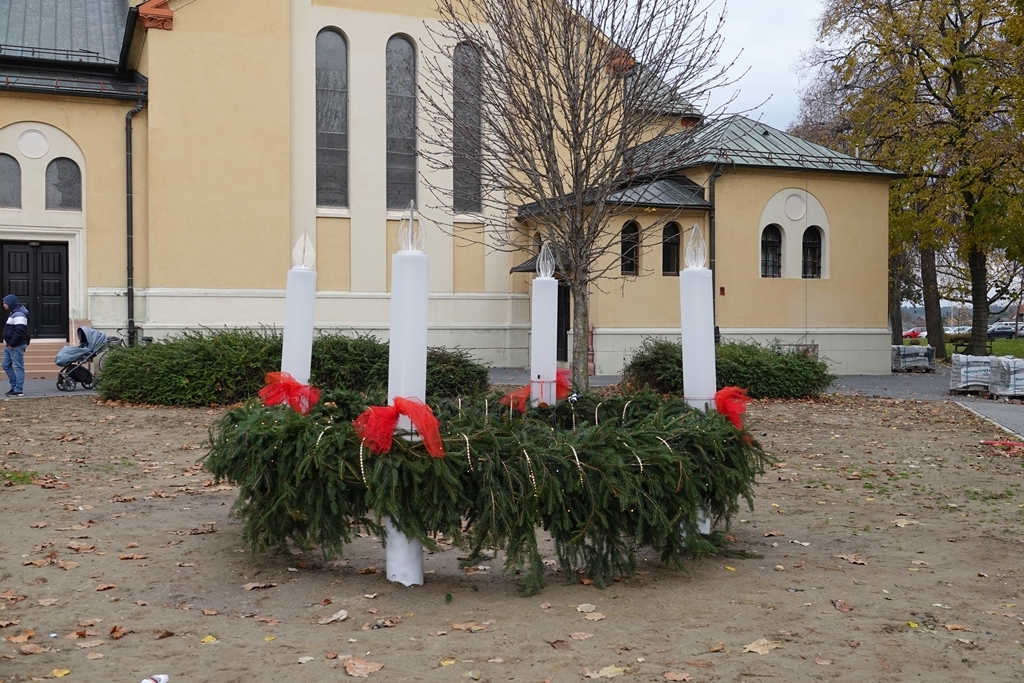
<point x="535" y="107"/>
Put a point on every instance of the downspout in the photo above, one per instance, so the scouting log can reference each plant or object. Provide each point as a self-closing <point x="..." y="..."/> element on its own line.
<point x="130" y="220"/>
<point x="715" y="173"/>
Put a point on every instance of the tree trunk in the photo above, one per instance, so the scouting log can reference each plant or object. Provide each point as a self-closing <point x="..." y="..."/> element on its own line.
<point x="977" y="262"/>
<point x="932" y="303"/>
<point x="895" y="301"/>
<point x="580" y="336"/>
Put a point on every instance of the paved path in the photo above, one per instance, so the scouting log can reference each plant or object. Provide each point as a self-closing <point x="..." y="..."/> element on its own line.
<point x="920" y="386"/>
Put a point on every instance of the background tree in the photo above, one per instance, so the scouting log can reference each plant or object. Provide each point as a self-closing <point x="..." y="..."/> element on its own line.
<point x="539" y="102"/>
<point x="932" y="88"/>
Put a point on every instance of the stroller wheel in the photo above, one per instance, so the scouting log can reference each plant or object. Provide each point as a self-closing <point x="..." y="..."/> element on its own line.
<point x="65" y="383"/>
<point x="88" y="385"/>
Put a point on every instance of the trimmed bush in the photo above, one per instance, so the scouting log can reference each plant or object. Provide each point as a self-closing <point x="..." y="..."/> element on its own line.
<point x="765" y="371"/>
<point x="210" y="367"/>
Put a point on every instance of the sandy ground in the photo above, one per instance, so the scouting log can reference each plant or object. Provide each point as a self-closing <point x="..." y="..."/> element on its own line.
<point x="133" y="540"/>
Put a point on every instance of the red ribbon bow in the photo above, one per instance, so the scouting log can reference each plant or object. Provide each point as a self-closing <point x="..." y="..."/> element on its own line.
<point x="376" y="426"/>
<point x="732" y="402"/>
<point x="283" y="388"/>
<point x="517" y="399"/>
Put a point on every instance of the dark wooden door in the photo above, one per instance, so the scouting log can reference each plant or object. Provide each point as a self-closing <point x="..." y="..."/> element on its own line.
<point x="564" y="321"/>
<point x="37" y="273"/>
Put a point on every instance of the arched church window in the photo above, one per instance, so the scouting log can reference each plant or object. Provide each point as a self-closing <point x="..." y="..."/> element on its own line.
<point x="331" y="119"/>
<point x="400" y="67"/>
<point x="63" y="185"/>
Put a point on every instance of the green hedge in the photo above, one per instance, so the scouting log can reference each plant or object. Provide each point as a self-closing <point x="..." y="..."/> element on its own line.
<point x="208" y="367"/>
<point x="765" y="371"/>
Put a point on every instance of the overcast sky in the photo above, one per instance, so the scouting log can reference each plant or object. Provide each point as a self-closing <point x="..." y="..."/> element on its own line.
<point x="771" y="34"/>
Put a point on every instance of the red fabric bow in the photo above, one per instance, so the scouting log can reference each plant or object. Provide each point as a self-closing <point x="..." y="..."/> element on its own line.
<point x="517" y="399"/>
<point x="376" y="426"/>
<point x="283" y="388"/>
<point x="732" y="402"/>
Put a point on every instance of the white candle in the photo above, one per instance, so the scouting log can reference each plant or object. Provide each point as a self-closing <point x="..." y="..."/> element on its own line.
<point x="544" y="336"/>
<point x="696" y="301"/>
<point x="407" y="371"/>
<point x="299" y="303"/>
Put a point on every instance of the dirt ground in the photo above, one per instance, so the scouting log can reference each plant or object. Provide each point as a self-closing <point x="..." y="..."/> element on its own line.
<point x="891" y="543"/>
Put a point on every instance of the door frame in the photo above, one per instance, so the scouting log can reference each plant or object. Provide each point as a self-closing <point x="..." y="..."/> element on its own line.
<point x="35" y="271"/>
<point x="73" y="237"/>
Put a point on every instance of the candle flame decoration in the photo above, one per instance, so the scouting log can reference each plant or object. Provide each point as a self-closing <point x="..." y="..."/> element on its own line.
<point x="545" y="261"/>
<point x="696" y="249"/>
<point x="303" y="253"/>
<point x="410" y="232"/>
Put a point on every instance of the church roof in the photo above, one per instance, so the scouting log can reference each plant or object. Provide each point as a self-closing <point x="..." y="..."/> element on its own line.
<point x="740" y="141"/>
<point x="77" y="31"/>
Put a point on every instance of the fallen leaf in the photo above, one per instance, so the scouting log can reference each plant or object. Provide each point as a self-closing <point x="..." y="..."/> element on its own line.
<point x="594" y="616"/>
<point x="84" y="548"/>
<point x="39" y="525"/>
<point x="131" y="556"/>
<point x="884" y="664"/>
<point x="560" y="644"/>
<point x="470" y="626"/>
<point x="105" y="586"/>
<point x="255" y="586"/>
<point x="131" y="545"/>
<point x="842" y="605"/>
<point x="160" y="635"/>
<point x="913" y="624"/>
<point x="769" y="534"/>
<point x="68" y="564"/>
<point x="46" y="602"/>
<point x="33" y="649"/>
<point x="585" y="607"/>
<point x="955" y="627"/>
<point x="5" y="624"/>
<point x="269" y="621"/>
<point x="607" y="672"/>
<point x="717" y="647"/>
<point x="94" y="655"/>
<point x="730" y="569"/>
<point x="209" y="612"/>
<point x="854" y="643"/>
<point x="88" y="623"/>
<point x="267" y="639"/>
<point x="823" y="661"/>
<point x="187" y="564"/>
<point x="761" y="646"/>
<point x="587" y="582"/>
<point x="473" y="675"/>
<point x="367" y="570"/>
<point x="207" y="639"/>
<point x="448" y="661"/>
<point x="60" y="673"/>
<point x="438" y="633"/>
<point x="852" y="559"/>
<point x="495" y="660"/>
<point x="905" y="522"/>
<point x="89" y="643"/>
<point x="370" y="596"/>
<point x="117" y="632"/>
<point x="580" y="635"/>
<point x="673" y="676"/>
<point x="921" y="563"/>
<point x="545" y="606"/>
<point x="360" y="667"/>
<point x="304" y="660"/>
<point x="22" y="637"/>
<point x="700" y="663"/>
<point x="340" y="615"/>
<point x="331" y="655"/>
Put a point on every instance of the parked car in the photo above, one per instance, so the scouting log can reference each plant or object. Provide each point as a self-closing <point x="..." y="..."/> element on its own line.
<point x="1003" y="330"/>
<point x="916" y="333"/>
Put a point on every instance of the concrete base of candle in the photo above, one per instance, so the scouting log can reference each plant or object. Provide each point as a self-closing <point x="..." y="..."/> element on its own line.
<point x="299" y="302"/>
<point x="403" y="557"/>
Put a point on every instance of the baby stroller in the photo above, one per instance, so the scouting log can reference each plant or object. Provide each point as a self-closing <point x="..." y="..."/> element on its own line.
<point x="75" y="361"/>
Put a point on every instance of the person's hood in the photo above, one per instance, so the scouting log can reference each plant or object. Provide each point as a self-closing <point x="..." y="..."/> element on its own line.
<point x="11" y="301"/>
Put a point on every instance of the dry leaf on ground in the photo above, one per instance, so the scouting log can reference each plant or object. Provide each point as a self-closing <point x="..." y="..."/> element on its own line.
<point x="256" y="585"/>
<point x="607" y="672"/>
<point x="823" y="661"/>
<point x="131" y="556"/>
<point x="106" y="586"/>
<point x="33" y="649"/>
<point x="674" y="676"/>
<point x="586" y="607"/>
<point x="545" y="606"/>
<point x="842" y="605"/>
<point x="580" y="635"/>
<point x="700" y="663"/>
<point x="89" y="643"/>
<point x="46" y="602"/>
<point x="161" y="634"/>
<point x="560" y="644"/>
<point x="769" y="534"/>
<point x="360" y="667"/>
<point x="209" y="612"/>
<point x="340" y="615"/>
<point x="22" y="637"/>
<point x="117" y="632"/>
<point x="94" y="655"/>
<point x="761" y="646"/>
<point x="717" y="647"/>
<point x="852" y="559"/>
<point x="367" y="570"/>
<point x="470" y="626"/>
<point x="594" y="616"/>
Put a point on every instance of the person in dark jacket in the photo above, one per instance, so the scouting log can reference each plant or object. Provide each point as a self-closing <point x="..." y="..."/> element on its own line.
<point x="15" y="343"/>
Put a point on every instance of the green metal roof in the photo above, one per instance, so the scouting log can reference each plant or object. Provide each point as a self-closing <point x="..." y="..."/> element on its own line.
<point x="740" y="141"/>
<point x="79" y="31"/>
<point x="664" y="193"/>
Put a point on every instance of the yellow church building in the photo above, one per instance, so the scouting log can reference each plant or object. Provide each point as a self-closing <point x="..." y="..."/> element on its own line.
<point x="159" y="159"/>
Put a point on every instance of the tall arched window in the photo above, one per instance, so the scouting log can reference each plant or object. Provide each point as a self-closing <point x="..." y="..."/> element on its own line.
<point x="467" y="129"/>
<point x="812" y="253"/>
<point x="771" y="252"/>
<point x="10" y="182"/>
<point x="401" y="122"/>
<point x="331" y="119"/>
<point x="630" y="260"/>
<point x="63" y="185"/>
<point x="670" y="249"/>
